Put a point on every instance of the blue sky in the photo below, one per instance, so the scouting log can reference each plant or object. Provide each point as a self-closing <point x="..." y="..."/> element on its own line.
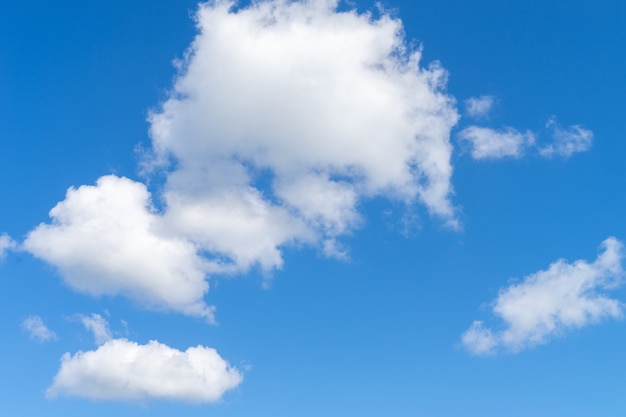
<point x="304" y="219"/>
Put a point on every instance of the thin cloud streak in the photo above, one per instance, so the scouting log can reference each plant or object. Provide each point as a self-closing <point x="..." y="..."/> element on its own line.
<point x="486" y="143"/>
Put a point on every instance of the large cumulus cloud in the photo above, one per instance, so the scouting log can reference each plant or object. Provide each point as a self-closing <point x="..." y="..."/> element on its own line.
<point x="283" y="118"/>
<point x="332" y="106"/>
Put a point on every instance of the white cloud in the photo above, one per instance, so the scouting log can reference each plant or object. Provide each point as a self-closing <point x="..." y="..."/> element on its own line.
<point x="479" y="340"/>
<point x="331" y="106"/>
<point x="487" y="143"/>
<point x="6" y="244"/>
<point x="550" y="302"/>
<point x="98" y="326"/>
<point x="479" y="107"/>
<point x="121" y="370"/>
<point x="237" y="224"/>
<point x="37" y="330"/>
<point x="327" y="107"/>
<point x="106" y="239"/>
<point x="566" y="141"/>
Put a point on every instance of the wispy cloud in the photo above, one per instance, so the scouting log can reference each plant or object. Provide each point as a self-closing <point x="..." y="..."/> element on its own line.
<point x="479" y="107"/>
<point x="486" y="143"/>
<point x="122" y="370"/>
<point x="566" y="141"/>
<point x="37" y="330"/>
<point x="549" y="303"/>
<point x="6" y="244"/>
<point x="98" y="326"/>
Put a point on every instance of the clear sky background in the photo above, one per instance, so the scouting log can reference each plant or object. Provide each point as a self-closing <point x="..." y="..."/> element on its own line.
<point x="490" y="285"/>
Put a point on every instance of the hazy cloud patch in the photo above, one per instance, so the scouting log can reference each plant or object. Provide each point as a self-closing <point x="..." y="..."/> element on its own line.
<point x="6" y="244"/>
<point x="566" y="141"/>
<point x="487" y="143"/>
<point x="37" y="330"/>
<point x="479" y="107"/>
<point x="98" y="326"/>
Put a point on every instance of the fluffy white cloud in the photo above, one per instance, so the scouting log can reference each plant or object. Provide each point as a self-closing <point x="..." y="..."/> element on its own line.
<point x="106" y="239"/>
<point x="566" y="141"/>
<point x="324" y="107"/>
<point x="478" y="107"/>
<point x="487" y="143"/>
<point x="98" y="326"/>
<point x="37" y="330"/>
<point x="548" y="303"/>
<point x="330" y="106"/>
<point x="237" y="224"/>
<point x="6" y="244"/>
<point x="121" y="370"/>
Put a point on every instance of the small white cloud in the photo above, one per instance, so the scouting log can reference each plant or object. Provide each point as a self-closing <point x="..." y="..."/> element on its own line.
<point x="550" y="302"/>
<point x="479" y="107"/>
<point x="566" y="141"/>
<point x="486" y="143"/>
<point x="479" y="340"/>
<point x="6" y="244"/>
<point x="37" y="330"/>
<point x="106" y="239"/>
<point x="98" y="326"/>
<point x="121" y="370"/>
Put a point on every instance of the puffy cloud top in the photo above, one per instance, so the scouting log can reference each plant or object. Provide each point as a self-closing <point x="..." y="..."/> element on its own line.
<point x="106" y="239"/>
<point x="124" y="370"/>
<point x="332" y="106"/>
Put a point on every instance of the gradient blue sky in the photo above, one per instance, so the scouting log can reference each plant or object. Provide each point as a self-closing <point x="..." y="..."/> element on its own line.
<point x="380" y="333"/>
